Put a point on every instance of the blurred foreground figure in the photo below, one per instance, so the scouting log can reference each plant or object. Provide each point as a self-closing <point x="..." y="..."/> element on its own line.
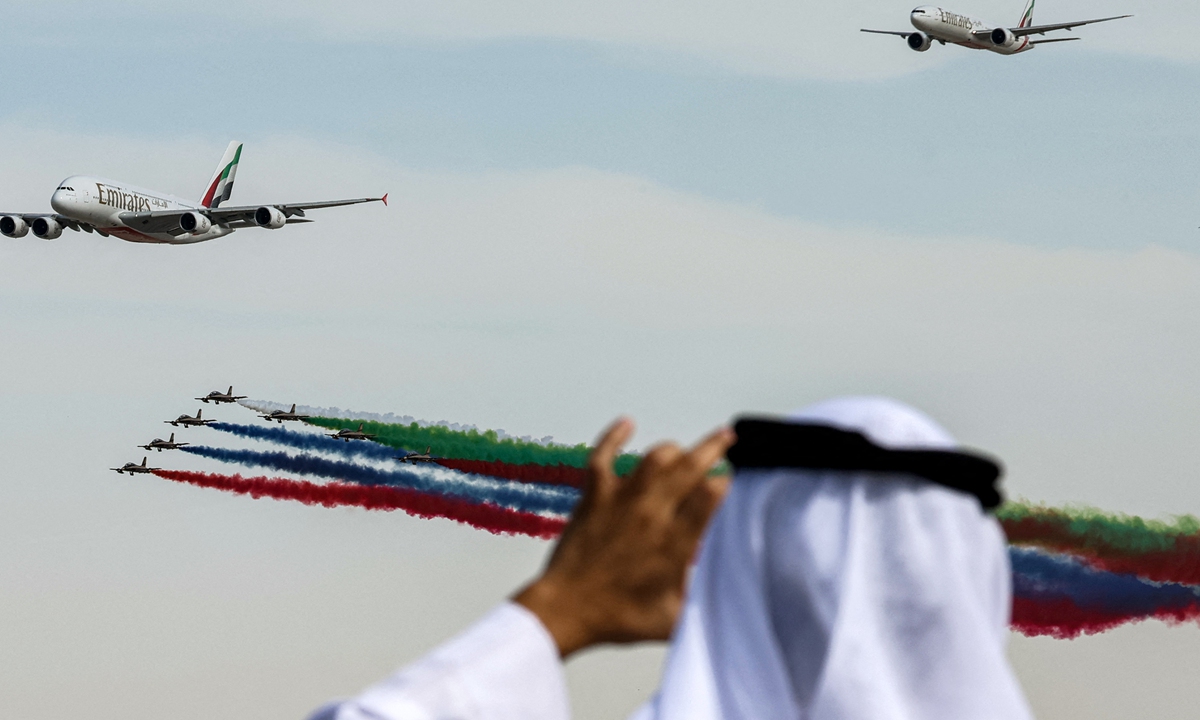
<point x="848" y="576"/>
<point x="852" y="573"/>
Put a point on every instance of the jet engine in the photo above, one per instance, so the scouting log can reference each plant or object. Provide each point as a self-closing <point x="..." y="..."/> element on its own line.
<point x="1003" y="37"/>
<point x="195" y="223"/>
<point x="13" y="227"/>
<point x="47" y="228"/>
<point x="919" y="41"/>
<point x="270" y="218"/>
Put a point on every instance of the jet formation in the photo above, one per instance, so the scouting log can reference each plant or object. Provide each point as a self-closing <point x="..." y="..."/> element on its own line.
<point x="117" y="209"/>
<point x="935" y="24"/>
<point x="217" y="397"/>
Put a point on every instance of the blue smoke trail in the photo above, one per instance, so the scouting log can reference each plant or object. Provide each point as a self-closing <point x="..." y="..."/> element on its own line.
<point x="1041" y="577"/>
<point x="439" y="481"/>
<point x="310" y="441"/>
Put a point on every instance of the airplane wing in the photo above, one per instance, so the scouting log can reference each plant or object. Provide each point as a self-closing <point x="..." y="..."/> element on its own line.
<point x="1054" y="40"/>
<point x="1043" y="29"/>
<point x="167" y="221"/>
<point x="60" y="219"/>
<point x="888" y="32"/>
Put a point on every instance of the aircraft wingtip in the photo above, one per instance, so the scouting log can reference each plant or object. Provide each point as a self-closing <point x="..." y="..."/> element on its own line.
<point x="384" y="198"/>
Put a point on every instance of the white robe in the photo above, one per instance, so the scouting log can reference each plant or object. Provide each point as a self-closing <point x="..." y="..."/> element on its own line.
<point x="505" y="667"/>
<point x="818" y="595"/>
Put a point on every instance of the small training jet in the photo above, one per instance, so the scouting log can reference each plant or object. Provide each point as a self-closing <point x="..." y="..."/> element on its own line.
<point x="349" y="435"/>
<point x="189" y="421"/>
<point x="217" y="397"/>
<point x="282" y="415"/>
<point x="134" y="468"/>
<point x="120" y="210"/>
<point x="415" y="458"/>
<point x="935" y="24"/>
<point x="159" y="444"/>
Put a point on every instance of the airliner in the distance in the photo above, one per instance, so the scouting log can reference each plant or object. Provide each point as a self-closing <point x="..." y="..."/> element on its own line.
<point x="933" y="23"/>
<point x="130" y="213"/>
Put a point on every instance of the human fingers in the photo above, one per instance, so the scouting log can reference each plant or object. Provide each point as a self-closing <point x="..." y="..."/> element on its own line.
<point x="692" y="467"/>
<point x="651" y="470"/>
<point x="697" y="509"/>
<point x="600" y="461"/>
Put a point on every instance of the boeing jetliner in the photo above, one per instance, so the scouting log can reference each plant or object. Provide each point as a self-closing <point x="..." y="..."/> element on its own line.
<point x="933" y="23"/>
<point x="111" y="208"/>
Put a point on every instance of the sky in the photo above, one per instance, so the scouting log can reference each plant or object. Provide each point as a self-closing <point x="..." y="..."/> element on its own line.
<point x="677" y="211"/>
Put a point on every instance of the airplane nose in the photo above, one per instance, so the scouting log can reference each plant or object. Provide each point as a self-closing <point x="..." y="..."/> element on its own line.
<point x="62" y="200"/>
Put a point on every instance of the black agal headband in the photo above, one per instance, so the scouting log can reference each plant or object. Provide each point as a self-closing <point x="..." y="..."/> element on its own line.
<point x="764" y="443"/>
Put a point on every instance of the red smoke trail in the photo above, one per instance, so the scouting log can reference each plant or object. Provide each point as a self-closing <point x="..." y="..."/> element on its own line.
<point x="1178" y="564"/>
<point x="542" y="474"/>
<point x="488" y="517"/>
<point x="1062" y="619"/>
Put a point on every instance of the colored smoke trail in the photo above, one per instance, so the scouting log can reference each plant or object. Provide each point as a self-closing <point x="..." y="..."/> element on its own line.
<point x="486" y="446"/>
<point x="1154" y="550"/>
<point x="484" y="517"/>
<point x="1059" y="596"/>
<point x="309" y="441"/>
<point x="265" y="406"/>
<point x="542" y="474"/>
<point x="440" y="481"/>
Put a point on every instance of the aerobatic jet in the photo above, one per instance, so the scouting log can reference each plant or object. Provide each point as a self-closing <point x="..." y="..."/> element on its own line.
<point x="189" y="421"/>
<point x="107" y="207"/>
<point x="415" y="458"/>
<point x="935" y="24"/>
<point x="133" y="468"/>
<point x="159" y="444"/>
<point x="282" y="415"/>
<point x="217" y="397"/>
<point x="349" y="435"/>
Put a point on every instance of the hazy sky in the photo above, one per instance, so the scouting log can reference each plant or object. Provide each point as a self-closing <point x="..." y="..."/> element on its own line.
<point x="680" y="211"/>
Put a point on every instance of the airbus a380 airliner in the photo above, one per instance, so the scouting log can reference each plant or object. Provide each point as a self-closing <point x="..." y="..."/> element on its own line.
<point x="123" y="211"/>
<point x="933" y="23"/>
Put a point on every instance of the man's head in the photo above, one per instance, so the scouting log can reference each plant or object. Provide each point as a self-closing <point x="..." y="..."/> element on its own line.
<point x="831" y="590"/>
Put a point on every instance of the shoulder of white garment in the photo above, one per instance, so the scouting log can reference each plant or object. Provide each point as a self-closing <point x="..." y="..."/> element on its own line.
<point x="504" y="667"/>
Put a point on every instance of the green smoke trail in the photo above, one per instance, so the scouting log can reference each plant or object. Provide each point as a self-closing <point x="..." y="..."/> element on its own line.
<point x="485" y="446"/>
<point x="1116" y="532"/>
<point x="1161" y="551"/>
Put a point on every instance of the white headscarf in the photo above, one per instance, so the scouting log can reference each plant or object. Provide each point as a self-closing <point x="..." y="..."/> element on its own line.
<point x="846" y="595"/>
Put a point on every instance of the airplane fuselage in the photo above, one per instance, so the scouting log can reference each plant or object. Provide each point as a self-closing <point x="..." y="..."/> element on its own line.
<point x="946" y="26"/>
<point x="101" y="203"/>
<point x="281" y="417"/>
<point x="161" y="445"/>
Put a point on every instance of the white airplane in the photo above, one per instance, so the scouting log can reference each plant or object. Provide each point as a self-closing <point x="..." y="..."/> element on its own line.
<point x="933" y="23"/>
<point x="130" y="213"/>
